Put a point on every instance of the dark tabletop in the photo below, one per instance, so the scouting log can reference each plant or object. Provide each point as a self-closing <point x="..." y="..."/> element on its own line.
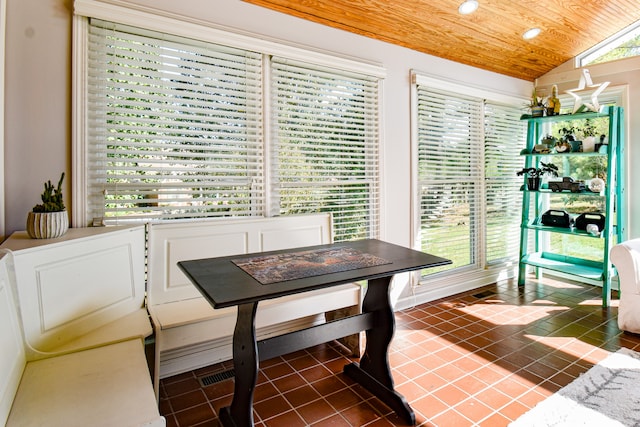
<point x="224" y="284"/>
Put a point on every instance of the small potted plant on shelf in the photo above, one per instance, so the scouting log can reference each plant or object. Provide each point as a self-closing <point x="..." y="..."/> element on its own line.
<point x="49" y="219"/>
<point x="588" y="136"/>
<point x="534" y="175"/>
<point x="568" y="142"/>
<point x="536" y="104"/>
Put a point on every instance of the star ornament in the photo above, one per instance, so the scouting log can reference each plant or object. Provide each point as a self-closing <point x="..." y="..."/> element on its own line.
<point x="586" y="84"/>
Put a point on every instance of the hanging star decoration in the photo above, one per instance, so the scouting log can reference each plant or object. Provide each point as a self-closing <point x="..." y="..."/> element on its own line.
<point x="585" y="84"/>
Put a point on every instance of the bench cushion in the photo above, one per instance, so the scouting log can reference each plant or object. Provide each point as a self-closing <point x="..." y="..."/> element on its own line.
<point x="88" y="388"/>
<point x="193" y="321"/>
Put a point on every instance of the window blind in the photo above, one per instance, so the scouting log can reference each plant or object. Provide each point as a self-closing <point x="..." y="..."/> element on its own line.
<point x="175" y="127"/>
<point x="449" y="175"/>
<point x="504" y="137"/>
<point x="324" y="156"/>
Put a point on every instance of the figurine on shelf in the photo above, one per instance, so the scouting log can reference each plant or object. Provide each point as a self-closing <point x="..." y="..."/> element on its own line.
<point x="553" y="103"/>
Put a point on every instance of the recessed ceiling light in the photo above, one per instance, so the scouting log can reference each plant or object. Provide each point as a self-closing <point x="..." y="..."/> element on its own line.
<point x="468" y="7"/>
<point x="532" y="33"/>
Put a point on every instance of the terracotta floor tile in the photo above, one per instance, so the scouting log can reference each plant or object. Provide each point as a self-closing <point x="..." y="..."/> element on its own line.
<point x="451" y="395"/>
<point x="343" y="399"/>
<point x="430" y="381"/>
<point x="410" y="390"/>
<point x="289" y="382"/>
<point x="411" y="370"/>
<point x="194" y="415"/>
<point x="483" y="357"/>
<point x="531" y="398"/>
<point x="429" y="406"/>
<point x="328" y="385"/>
<point x="333" y="421"/>
<point x="315" y="411"/>
<point x="513" y="410"/>
<point x="451" y="418"/>
<point x="473" y="409"/>
<point x="277" y="371"/>
<point x="301" y="396"/>
<point x="262" y="391"/>
<point x="494" y="420"/>
<point x="360" y="414"/>
<point x="183" y="386"/>
<point x="188" y="400"/>
<point x="289" y="419"/>
<point x="493" y="398"/>
<point x="470" y="384"/>
<point x="304" y="362"/>
<point x="315" y="373"/>
<point x="450" y="372"/>
<point x="269" y="408"/>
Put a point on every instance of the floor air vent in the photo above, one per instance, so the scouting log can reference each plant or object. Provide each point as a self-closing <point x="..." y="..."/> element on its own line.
<point x="216" y="378"/>
<point x="484" y="294"/>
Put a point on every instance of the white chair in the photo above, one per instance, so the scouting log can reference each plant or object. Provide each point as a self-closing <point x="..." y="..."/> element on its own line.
<point x="626" y="258"/>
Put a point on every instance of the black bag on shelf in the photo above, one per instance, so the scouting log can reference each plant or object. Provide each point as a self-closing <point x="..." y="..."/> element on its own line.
<point x="556" y="218"/>
<point x="590" y="218"/>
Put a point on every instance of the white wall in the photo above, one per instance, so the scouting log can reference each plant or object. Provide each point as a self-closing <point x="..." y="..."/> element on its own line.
<point x="37" y="102"/>
<point x="3" y="14"/>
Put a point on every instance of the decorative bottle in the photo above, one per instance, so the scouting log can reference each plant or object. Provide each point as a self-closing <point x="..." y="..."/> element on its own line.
<point x="553" y="103"/>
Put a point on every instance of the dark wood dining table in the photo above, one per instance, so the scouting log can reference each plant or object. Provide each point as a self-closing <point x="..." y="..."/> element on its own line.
<point x="243" y="281"/>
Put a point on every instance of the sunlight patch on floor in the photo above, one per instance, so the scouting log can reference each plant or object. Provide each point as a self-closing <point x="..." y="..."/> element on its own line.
<point x="512" y="315"/>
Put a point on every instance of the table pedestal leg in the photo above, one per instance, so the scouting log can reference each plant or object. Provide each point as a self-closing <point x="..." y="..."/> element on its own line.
<point x="374" y="372"/>
<point x="245" y="363"/>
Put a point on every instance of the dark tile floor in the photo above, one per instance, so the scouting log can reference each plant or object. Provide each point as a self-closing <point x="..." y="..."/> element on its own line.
<point x="479" y="358"/>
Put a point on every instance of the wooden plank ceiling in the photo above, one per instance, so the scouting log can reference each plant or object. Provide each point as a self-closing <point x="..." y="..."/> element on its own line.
<point x="490" y="38"/>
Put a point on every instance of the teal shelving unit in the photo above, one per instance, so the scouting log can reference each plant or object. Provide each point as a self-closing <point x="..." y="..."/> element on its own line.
<point x="533" y="252"/>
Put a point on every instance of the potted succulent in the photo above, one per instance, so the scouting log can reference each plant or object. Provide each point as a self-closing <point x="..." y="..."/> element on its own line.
<point x="49" y="219"/>
<point x="534" y="175"/>
<point x="536" y="104"/>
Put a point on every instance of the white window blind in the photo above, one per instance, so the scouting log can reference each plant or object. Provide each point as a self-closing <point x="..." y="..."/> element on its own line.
<point x="469" y="194"/>
<point x="175" y="127"/>
<point x="325" y="146"/>
<point x="449" y="175"/>
<point x="504" y="137"/>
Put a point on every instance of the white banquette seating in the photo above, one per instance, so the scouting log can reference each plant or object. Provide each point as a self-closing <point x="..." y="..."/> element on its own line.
<point x="81" y="307"/>
<point x="626" y="258"/>
<point x="73" y="326"/>
<point x="189" y="333"/>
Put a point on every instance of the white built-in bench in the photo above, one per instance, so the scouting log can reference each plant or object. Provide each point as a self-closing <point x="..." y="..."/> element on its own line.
<point x="189" y="333"/>
<point x="73" y="324"/>
<point x="81" y="298"/>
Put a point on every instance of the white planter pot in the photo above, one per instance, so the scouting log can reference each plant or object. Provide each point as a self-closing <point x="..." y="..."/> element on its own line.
<point x="47" y="225"/>
<point x="589" y="144"/>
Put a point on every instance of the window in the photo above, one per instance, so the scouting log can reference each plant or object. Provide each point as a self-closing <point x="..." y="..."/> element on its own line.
<point x="504" y="137"/>
<point x="449" y="176"/>
<point x="181" y="128"/>
<point x="175" y="127"/>
<point x="467" y="190"/>
<point x="625" y="44"/>
<point x="325" y="146"/>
